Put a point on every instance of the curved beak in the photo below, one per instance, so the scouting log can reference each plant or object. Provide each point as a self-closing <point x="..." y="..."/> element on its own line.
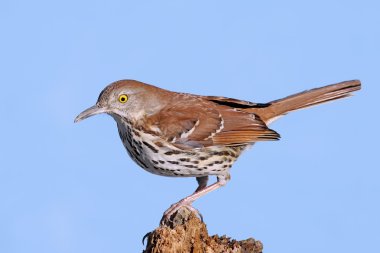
<point x="93" y="110"/>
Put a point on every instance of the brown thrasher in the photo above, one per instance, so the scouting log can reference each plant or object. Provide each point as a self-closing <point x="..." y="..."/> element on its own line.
<point x="183" y="135"/>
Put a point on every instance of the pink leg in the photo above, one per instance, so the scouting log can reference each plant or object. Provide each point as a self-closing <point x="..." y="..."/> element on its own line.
<point x="190" y="199"/>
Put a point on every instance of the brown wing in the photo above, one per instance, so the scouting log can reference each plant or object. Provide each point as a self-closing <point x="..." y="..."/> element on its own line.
<point x="196" y="122"/>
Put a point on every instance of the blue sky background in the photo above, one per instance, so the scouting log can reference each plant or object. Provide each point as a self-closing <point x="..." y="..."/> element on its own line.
<point x="68" y="187"/>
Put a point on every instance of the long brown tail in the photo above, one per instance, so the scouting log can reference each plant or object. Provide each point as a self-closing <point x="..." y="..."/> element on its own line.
<point x="307" y="98"/>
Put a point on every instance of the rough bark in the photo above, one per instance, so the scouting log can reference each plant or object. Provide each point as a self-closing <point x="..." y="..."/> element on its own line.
<point x="187" y="233"/>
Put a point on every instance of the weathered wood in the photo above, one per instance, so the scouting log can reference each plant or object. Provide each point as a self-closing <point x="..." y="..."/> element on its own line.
<point x="187" y="233"/>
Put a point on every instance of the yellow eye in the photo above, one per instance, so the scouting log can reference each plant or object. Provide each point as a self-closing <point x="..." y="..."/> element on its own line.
<point x="123" y="98"/>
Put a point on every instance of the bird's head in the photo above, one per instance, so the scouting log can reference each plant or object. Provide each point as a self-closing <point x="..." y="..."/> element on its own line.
<point x="127" y="99"/>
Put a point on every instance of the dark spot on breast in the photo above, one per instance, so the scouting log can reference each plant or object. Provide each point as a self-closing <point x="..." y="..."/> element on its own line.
<point x="157" y="168"/>
<point x="173" y="162"/>
<point x="136" y="133"/>
<point x="140" y="162"/>
<point x="172" y="152"/>
<point x="150" y="147"/>
<point x="162" y="162"/>
<point x="221" y="153"/>
<point x="234" y="155"/>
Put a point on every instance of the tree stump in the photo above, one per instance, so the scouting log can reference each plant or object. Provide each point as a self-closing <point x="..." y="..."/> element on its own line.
<point x="185" y="232"/>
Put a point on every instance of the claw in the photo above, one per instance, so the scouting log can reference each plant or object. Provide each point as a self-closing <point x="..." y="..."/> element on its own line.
<point x="194" y="210"/>
<point x="168" y="214"/>
<point x="146" y="237"/>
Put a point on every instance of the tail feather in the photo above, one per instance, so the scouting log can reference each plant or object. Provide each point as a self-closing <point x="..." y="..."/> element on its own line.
<point x="306" y="99"/>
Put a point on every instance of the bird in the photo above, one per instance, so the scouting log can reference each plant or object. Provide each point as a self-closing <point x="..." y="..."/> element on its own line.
<point x="178" y="134"/>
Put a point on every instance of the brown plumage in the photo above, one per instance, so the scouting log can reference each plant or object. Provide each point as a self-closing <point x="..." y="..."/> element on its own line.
<point x="184" y="135"/>
<point x="192" y="122"/>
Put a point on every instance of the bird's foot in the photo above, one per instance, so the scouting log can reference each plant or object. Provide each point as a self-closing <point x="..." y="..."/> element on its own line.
<point x="169" y="214"/>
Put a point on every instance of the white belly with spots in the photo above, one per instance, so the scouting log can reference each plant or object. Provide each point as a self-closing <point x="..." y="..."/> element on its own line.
<point x="162" y="158"/>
